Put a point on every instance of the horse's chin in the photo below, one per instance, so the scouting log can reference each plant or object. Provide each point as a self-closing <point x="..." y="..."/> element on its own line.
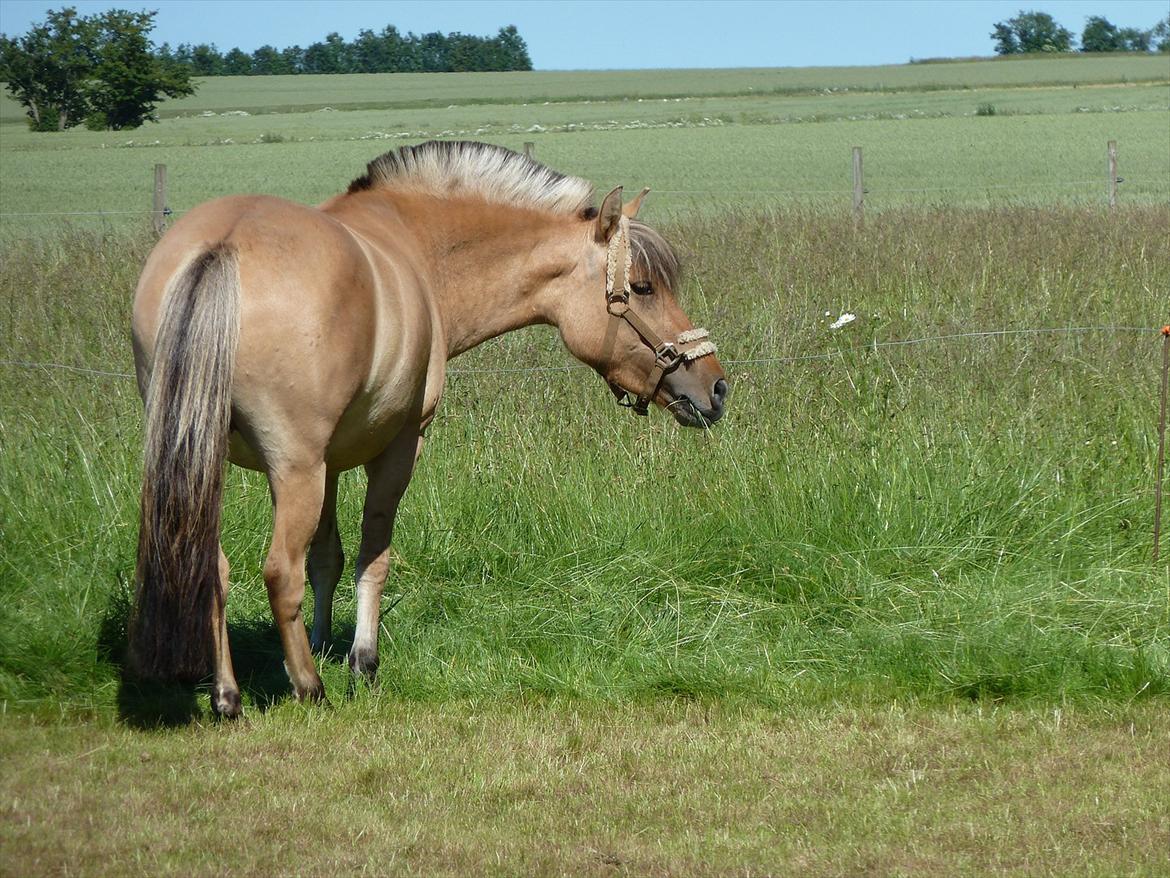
<point x="690" y="415"/>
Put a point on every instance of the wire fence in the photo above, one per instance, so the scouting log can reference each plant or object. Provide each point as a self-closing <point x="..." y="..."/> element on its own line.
<point x="872" y="345"/>
<point x="843" y="193"/>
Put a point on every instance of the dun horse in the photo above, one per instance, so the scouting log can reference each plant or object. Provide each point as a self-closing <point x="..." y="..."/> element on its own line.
<point x="302" y="342"/>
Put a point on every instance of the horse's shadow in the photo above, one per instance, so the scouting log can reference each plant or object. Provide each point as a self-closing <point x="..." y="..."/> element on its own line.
<point x="257" y="657"/>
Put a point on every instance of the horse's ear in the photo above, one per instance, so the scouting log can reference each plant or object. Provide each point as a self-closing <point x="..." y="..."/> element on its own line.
<point x="631" y="209"/>
<point x="609" y="215"/>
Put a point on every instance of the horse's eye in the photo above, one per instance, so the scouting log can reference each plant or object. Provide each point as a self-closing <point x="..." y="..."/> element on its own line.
<point x="642" y="288"/>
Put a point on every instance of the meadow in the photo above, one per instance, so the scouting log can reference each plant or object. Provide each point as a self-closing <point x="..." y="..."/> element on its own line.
<point x="895" y="614"/>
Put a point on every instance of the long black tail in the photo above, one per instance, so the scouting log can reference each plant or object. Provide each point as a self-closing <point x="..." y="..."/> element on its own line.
<point x="188" y="413"/>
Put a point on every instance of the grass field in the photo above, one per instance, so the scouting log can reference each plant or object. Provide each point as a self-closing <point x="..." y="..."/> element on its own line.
<point x="704" y="140"/>
<point x="268" y="94"/>
<point x="895" y="614"/>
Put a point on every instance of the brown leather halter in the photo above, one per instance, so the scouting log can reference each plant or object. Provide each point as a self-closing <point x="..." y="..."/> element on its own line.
<point x="691" y="344"/>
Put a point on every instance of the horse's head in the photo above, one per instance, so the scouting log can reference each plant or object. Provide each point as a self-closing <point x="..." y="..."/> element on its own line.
<point x="628" y="326"/>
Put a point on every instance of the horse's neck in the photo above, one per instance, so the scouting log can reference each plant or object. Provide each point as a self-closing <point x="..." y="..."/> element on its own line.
<point x="490" y="264"/>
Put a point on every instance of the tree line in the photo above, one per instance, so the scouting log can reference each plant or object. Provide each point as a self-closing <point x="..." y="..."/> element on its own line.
<point x="1039" y="32"/>
<point x="103" y="71"/>
<point x="388" y="51"/>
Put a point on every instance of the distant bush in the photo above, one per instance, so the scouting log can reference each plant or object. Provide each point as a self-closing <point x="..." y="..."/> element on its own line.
<point x="985" y="110"/>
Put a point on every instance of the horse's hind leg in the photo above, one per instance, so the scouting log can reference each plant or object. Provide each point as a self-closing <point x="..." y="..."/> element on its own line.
<point x="388" y="474"/>
<point x="297" y="495"/>
<point x="326" y="561"/>
<point x="225" y="697"/>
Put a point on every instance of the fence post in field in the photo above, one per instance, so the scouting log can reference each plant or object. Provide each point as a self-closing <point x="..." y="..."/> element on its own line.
<point x="529" y="150"/>
<point x="1113" y="178"/>
<point x="858" y="188"/>
<point x="158" y="216"/>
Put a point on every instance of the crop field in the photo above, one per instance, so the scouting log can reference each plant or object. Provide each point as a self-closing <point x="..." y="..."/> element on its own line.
<point x="895" y="614"/>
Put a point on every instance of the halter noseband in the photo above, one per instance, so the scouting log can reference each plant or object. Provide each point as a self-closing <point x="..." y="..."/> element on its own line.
<point x="691" y="344"/>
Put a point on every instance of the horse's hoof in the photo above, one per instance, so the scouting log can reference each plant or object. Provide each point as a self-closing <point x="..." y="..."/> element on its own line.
<point x="364" y="663"/>
<point x="314" y="694"/>
<point x="226" y="704"/>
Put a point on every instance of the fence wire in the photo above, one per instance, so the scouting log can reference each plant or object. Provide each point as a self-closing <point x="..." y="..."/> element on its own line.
<point x="872" y="345"/>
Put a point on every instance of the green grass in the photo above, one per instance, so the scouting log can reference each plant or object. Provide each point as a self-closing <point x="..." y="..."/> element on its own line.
<point x="406" y="90"/>
<point x="964" y="519"/>
<point x="896" y="614"/>
<point x="1002" y="160"/>
<point x="704" y="140"/>
<point x="554" y="789"/>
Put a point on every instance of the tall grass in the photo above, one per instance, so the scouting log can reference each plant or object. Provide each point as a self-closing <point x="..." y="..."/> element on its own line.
<point x="960" y="519"/>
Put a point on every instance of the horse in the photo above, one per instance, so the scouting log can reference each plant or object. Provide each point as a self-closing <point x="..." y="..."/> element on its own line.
<point x="303" y="342"/>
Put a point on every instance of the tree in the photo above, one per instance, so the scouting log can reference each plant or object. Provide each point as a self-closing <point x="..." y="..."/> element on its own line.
<point x="98" y="69"/>
<point x="1160" y="35"/>
<point x="1134" y="39"/>
<point x="127" y="80"/>
<point x="237" y="62"/>
<point x="206" y="60"/>
<point x="1100" y="35"/>
<point x="1031" y="32"/>
<point x="47" y="69"/>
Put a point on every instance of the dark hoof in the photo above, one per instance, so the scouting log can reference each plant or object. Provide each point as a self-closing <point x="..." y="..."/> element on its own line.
<point x="314" y="694"/>
<point x="226" y="704"/>
<point x="364" y="663"/>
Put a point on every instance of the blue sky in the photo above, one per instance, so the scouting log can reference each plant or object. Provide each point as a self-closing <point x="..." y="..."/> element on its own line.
<point x="601" y="34"/>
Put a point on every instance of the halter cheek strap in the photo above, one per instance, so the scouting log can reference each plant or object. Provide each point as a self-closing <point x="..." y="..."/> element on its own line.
<point x="668" y="355"/>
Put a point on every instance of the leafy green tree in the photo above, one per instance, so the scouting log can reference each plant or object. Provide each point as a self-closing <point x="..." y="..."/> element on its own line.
<point x="99" y="69"/>
<point x="293" y="59"/>
<point x="1160" y="35"/>
<point x="331" y="56"/>
<point x="514" y="49"/>
<point x="1031" y="32"/>
<point x="47" y="70"/>
<point x="206" y="60"/>
<point x="127" y="79"/>
<point x="1100" y="35"/>
<point x="237" y="63"/>
<point x="1134" y="39"/>
<point x="267" y="61"/>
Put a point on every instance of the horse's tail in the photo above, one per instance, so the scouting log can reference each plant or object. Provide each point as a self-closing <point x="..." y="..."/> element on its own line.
<point x="188" y="413"/>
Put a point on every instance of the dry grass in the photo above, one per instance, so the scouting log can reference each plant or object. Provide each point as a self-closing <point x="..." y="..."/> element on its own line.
<point x="552" y="789"/>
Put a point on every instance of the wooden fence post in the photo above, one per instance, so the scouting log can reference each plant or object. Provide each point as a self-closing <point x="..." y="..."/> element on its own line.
<point x="858" y="187"/>
<point x="529" y="150"/>
<point x="158" y="215"/>
<point x="1113" y="178"/>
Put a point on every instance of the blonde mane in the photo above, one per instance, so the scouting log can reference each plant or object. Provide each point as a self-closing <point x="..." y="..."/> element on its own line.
<point x="490" y="172"/>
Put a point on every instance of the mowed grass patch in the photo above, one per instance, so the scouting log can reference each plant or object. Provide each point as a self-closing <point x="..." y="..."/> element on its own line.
<point x="471" y="121"/>
<point x="407" y="90"/>
<point x="969" y="161"/>
<point x="551" y="789"/>
<point x="965" y="519"/>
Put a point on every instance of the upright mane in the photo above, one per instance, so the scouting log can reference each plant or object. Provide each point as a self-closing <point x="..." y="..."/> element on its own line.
<point x="491" y="172"/>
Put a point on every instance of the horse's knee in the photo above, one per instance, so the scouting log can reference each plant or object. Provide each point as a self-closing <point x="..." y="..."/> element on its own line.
<point x="285" y="591"/>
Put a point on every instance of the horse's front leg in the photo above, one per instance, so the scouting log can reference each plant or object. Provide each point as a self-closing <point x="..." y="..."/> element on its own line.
<point x="388" y="475"/>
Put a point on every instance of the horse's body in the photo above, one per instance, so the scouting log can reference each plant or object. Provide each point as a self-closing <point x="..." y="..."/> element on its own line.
<point x="303" y="342"/>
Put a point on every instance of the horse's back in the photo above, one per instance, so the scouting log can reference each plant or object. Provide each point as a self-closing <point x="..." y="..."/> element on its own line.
<point x="312" y="328"/>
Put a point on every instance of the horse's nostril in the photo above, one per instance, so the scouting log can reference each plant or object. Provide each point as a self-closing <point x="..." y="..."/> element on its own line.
<point x="719" y="392"/>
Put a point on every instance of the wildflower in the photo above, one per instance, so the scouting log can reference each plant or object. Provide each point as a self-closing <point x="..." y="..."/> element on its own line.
<point x="844" y="320"/>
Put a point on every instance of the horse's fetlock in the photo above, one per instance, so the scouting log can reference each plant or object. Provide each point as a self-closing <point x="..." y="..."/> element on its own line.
<point x="364" y="662"/>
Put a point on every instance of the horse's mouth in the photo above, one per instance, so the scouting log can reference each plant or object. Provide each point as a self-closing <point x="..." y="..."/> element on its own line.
<point x="687" y="413"/>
